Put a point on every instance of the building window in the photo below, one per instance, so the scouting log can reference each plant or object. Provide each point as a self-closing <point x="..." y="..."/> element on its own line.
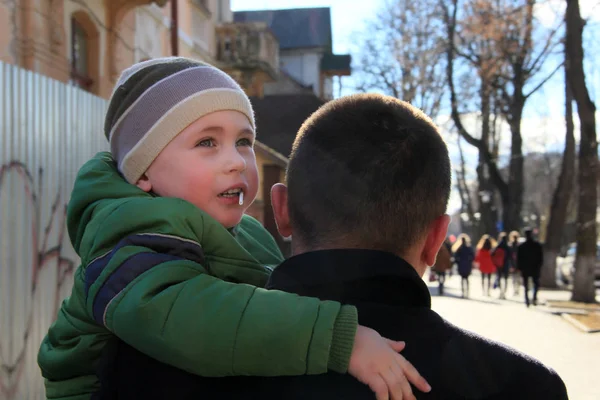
<point x="80" y="56"/>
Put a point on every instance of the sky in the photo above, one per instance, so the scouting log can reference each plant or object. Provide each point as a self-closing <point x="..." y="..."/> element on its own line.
<point x="543" y="123"/>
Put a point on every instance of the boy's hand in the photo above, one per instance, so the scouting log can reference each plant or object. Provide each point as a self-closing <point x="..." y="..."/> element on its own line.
<point x="375" y="362"/>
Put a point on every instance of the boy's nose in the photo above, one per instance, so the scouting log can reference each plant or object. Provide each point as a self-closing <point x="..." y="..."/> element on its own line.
<point x="236" y="162"/>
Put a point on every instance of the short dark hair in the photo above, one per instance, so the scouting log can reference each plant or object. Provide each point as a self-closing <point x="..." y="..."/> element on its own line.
<point x="367" y="171"/>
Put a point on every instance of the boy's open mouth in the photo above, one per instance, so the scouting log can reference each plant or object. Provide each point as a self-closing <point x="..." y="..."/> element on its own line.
<point x="231" y="193"/>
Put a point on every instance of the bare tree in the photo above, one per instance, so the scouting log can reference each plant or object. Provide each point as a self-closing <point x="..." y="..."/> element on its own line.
<point x="583" y="285"/>
<point x="562" y="194"/>
<point x="403" y="54"/>
<point x="479" y="55"/>
<point x="496" y="38"/>
<point x="524" y="62"/>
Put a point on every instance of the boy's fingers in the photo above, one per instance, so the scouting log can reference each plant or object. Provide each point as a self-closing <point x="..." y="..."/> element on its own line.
<point x="406" y="389"/>
<point x="397" y="346"/>
<point x="377" y="385"/>
<point x="398" y="386"/>
<point x="412" y="374"/>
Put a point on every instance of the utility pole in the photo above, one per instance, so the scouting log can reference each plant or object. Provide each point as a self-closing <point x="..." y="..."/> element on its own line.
<point x="174" y="29"/>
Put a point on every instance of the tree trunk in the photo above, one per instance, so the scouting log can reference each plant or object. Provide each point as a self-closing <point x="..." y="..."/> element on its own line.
<point x="487" y="223"/>
<point x="513" y="203"/>
<point x="561" y="197"/>
<point x="487" y="218"/>
<point x="465" y="195"/>
<point x="583" y="285"/>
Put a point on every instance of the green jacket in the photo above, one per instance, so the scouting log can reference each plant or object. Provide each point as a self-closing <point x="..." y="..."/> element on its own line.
<point x="172" y="282"/>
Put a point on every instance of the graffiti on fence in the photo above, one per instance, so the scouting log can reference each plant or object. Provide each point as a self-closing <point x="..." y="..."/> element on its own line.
<point x="41" y="252"/>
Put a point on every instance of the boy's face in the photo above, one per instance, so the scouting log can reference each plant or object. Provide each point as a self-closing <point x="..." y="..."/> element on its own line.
<point x="208" y="164"/>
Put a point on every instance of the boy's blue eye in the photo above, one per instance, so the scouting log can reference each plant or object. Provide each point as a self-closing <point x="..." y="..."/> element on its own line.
<point x="244" y="142"/>
<point x="206" y="143"/>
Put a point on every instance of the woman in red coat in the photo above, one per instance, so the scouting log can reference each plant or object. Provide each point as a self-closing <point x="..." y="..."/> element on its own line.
<point x="484" y="261"/>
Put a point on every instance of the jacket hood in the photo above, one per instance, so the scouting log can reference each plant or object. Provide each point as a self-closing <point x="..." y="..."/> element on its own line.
<point x="97" y="180"/>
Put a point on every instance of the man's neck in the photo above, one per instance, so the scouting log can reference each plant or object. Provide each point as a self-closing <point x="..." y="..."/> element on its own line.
<point x="298" y="248"/>
<point x="351" y="276"/>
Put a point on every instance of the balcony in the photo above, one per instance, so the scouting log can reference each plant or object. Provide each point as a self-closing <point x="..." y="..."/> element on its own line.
<point x="246" y="47"/>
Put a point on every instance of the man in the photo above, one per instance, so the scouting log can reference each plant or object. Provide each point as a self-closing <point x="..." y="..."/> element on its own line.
<point x="369" y="181"/>
<point x="530" y="258"/>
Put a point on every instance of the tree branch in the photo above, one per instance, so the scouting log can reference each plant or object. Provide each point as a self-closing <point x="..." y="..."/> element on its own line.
<point x="546" y="79"/>
<point x="546" y="50"/>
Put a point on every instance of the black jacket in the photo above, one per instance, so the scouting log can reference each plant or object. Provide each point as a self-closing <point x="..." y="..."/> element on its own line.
<point x="530" y="257"/>
<point x="391" y="298"/>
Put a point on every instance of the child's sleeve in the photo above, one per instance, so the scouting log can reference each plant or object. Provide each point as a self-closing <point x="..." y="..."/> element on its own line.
<point x="158" y="292"/>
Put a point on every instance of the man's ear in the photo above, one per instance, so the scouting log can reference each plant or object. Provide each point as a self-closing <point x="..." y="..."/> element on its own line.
<point x="436" y="236"/>
<point x="279" y="202"/>
<point x="144" y="183"/>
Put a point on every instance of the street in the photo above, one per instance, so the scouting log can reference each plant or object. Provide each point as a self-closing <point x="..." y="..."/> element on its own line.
<point x="575" y="355"/>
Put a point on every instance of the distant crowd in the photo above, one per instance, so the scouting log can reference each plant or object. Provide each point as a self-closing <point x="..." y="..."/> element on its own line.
<point x="504" y="258"/>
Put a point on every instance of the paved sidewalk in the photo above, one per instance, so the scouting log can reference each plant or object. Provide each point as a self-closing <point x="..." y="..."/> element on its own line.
<point x="575" y="355"/>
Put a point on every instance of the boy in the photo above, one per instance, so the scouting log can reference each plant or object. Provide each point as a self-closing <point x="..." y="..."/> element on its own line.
<point x="170" y="263"/>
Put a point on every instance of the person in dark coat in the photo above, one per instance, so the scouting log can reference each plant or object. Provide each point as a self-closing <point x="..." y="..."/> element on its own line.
<point x="360" y="165"/>
<point x="513" y="242"/>
<point x="530" y="258"/>
<point x="502" y="256"/>
<point x="464" y="257"/>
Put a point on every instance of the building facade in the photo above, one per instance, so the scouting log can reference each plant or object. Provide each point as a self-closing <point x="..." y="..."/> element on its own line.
<point x="87" y="43"/>
<point x="306" y="53"/>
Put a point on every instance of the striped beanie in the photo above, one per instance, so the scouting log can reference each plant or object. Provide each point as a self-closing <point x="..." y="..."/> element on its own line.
<point x="155" y="100"/>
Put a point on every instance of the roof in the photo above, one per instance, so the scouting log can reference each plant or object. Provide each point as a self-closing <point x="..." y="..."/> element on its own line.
<point x="336" y="62"/>
<point x="279" y="117"/>
<point x="267" y="152"/>
<point x="294" y="28"/>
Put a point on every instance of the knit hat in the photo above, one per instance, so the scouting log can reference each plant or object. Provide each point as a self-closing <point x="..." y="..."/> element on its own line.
<point x="155" y="100"/>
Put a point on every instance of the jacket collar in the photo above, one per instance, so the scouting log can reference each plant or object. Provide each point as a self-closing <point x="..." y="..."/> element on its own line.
<point x="351" y="276"/>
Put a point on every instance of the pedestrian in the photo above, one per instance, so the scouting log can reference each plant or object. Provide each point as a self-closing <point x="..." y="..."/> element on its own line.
<point x="443" y="263"/>
<point x="484" y="261"/>
<point x="513" y="241"/>
<point x="464" y="257"/>
<point x="530" y="259"/>
<point x="501" y="258"/>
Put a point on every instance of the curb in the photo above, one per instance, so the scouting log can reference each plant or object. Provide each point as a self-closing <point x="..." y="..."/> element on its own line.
<point x="578" y="324"/>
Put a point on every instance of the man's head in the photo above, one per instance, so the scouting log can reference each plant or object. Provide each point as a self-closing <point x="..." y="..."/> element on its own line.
<point x="528" y="233"/>
<point x="182" y="128"/>
<point x="367" y="171"/>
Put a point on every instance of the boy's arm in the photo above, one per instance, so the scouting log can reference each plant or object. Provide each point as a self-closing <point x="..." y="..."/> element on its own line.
<point x="214" y="328"/>
<point x="153" y="291"/>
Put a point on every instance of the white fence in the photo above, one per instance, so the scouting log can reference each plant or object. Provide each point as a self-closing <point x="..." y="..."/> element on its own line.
<point x="48" y="130"/>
